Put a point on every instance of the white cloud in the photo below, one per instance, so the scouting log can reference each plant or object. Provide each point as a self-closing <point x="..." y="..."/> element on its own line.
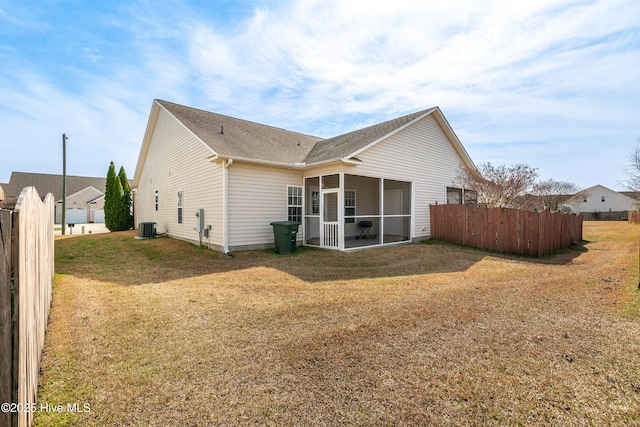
<point x="514" y="72"/>
<point x="362" y="48"/>
<point x="518" y="74"/>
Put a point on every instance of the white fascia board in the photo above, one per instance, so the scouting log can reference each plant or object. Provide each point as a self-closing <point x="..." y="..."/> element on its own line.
<point x="457" y="144"/>
<point x="146" y="139"/>
<point x="346" y="160"/>
<point x="442" y="121"/>
<point x="217" y="157"/>
<point x="393" y="132"/>
<point x="187" y="129"/>
<point x="351" y="161"/>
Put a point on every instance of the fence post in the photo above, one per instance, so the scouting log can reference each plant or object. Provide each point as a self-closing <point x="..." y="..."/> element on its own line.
<point x="6" y="383"/>
<point x="33" y="276"/>
<point x="15" y="252"/>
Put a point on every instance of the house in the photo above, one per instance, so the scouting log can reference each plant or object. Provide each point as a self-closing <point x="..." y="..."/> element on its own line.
<point x="600" y="202"/>
<point x="85" y="195"/>
<point x="218" y="180"/>
<point x="633" y="194"/>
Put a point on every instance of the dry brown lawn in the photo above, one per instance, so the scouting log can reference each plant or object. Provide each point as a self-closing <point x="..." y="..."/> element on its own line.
<point x="160" y="332"/>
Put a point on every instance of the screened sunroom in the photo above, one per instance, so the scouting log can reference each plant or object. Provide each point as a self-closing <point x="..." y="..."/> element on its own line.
<point x="346" y="212"/>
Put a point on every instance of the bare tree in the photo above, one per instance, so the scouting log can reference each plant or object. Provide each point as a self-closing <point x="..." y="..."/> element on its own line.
<point x="633" y="169"/>
<point x="499" y="186"/>
<point x="552" y="194"/>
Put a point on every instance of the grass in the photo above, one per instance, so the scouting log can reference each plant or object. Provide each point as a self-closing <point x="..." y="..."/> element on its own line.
<point x="406" y="335"/>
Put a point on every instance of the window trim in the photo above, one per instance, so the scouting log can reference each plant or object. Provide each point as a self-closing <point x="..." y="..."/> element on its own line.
<point x="459" y="192"/>
<point x="291" y="199"/>
<point x="180" y="206"/>
<point x="346" y="207"/>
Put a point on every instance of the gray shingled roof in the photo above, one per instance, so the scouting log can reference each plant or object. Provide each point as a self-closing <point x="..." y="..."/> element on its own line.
<point x="236" y="138"/>
<point x="249" y="140"/>
<point x="344" y="145"/>
<point x="47" y="183"/>
<point x="633" y="194"/>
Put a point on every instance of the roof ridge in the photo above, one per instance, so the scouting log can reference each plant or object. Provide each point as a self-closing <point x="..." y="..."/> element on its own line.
<point x="238" y="119"/>
<point x="57" y="174"/>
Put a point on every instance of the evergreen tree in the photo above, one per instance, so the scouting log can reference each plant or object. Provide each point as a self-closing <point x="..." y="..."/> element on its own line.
<point x="127" y="217"/>
<point x="113" y="200"/>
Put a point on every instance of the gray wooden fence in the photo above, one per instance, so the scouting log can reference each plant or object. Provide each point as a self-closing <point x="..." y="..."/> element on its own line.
<point x="26" y="279"/>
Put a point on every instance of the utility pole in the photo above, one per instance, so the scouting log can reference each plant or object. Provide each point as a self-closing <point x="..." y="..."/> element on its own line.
<point x="64" y="181"/>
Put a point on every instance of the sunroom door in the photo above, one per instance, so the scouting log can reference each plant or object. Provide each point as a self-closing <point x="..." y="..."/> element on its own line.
<point x="330" y="223"/>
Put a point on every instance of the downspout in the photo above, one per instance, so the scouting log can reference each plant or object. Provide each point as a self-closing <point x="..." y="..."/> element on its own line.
<point x="134" y="207"/>
<point x="341" y="211"/>
<point x="412" y="226"/>
<point x="381" y="207"/>
<point x="225" y="205"/>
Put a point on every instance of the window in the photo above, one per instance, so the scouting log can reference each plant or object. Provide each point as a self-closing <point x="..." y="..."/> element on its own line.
<point x="180" y="194"/>
<point x="454" y="196"/>
<point x="602" y="199"/>
<point x="294" y="204"/>
<point x="156" y="199"/>
<point x="470" y="197"/>
<point x="349" y="206"/>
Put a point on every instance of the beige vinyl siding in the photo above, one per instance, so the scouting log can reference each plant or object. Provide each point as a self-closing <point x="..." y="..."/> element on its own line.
<point x="177" y="160"/>
<point x="422" y="154"/>
<point x="329" y="169"/>
<point x="257" y="197"/>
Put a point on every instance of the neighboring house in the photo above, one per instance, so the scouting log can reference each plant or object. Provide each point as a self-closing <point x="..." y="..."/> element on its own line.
<point x="85" y="195"/>
<point x="633" y="194"/>
<point x="206" y="177"/>
<point x="600" y="199"/>
<point x="84" y="206"/>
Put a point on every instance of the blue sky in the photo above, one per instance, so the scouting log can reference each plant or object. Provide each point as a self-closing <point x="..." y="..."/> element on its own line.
<point x="553" y="84"/>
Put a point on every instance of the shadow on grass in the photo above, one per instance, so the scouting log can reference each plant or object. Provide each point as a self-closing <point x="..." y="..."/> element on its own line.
<point x="122" y="259"/>
<point x="560" y="257"/>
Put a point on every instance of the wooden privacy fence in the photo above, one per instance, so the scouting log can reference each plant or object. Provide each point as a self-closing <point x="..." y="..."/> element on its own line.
<point x="505" y="230"/>
<point x="26" y="254"/>
<point x="634" y="217"/>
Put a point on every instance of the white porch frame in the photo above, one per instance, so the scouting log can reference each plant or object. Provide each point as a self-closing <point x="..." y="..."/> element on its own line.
<point x="329" y="231"/>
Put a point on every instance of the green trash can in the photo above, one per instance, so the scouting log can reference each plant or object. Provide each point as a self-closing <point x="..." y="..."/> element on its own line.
<point x="284" y="236"/>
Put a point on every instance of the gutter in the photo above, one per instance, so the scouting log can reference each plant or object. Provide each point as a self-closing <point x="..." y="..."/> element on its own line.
<point x="296" y="165"/>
